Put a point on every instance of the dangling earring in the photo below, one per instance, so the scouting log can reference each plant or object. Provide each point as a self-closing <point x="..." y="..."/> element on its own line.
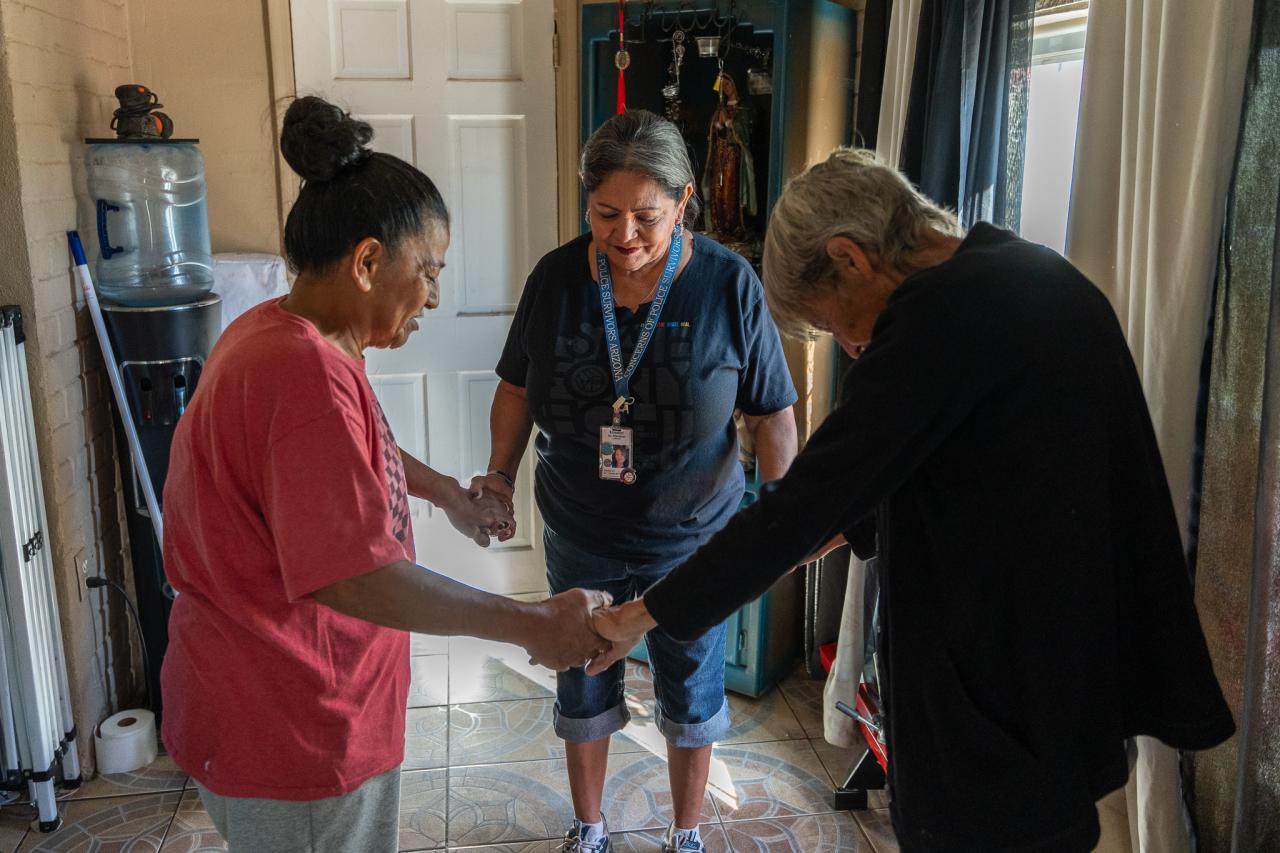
<point x="679" y="229"/>
<point x="586" y="216"/>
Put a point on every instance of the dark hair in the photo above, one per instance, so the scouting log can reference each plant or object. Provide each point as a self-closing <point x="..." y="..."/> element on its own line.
<point x="639" y="141"/>
<point x="348" y="192"/>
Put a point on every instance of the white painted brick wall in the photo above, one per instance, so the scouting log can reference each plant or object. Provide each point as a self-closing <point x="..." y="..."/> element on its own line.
<point x="62" y="59"/>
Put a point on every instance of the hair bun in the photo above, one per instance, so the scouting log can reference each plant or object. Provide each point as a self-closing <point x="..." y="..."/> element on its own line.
<point x="318" y="139"/>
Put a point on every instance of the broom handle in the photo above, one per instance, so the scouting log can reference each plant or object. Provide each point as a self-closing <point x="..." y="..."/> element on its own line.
<point x="117" y="385"/>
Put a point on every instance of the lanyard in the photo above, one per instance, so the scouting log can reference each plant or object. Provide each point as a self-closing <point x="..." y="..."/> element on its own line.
<point x="621" y="376"/>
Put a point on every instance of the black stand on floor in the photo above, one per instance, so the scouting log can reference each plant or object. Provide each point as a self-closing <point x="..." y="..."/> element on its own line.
<point x="161" y="351"/>
<point x="865" y="776"/>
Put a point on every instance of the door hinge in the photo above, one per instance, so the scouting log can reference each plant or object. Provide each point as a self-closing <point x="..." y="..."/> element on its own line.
<point x="32" y="546"/>
<point x="555" y="51"/>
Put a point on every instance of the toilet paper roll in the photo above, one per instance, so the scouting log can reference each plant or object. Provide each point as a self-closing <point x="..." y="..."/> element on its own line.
<point x="126" y="741"/>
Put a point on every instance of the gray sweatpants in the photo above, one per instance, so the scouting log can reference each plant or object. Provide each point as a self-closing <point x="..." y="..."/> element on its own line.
<point x="364" y="821"/>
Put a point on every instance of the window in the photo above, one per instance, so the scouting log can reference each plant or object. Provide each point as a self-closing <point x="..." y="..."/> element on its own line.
<point x="1053" y="105"/>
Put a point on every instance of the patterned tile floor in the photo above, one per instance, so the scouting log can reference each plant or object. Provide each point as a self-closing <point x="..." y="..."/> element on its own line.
<point x="484" y="771"/>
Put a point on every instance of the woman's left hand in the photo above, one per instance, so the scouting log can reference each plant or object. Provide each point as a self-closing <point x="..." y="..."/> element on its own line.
<point x="480" y="516"/>
<point x="497" y="485"/>
<point x="623" y="626"/>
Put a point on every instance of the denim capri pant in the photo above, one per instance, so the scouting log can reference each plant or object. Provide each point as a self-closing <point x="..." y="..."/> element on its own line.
<point x="688" y="678"/>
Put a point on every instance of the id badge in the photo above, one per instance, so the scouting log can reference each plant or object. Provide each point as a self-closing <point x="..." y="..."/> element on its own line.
<point x="616" y="448"/>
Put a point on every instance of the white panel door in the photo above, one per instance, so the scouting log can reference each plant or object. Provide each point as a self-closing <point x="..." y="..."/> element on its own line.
<point x="466" y="91"/>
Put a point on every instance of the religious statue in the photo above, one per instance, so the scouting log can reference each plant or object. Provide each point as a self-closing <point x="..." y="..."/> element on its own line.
<point x="729" y="182"/>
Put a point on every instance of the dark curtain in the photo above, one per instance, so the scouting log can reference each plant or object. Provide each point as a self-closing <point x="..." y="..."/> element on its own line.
<point x="966" y="120"/>
<point x="873" y="41"/>
<point x="1236" y="787"/>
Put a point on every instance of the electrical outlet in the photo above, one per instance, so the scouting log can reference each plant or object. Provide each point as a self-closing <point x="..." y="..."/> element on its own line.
<point x="84" y="579"/>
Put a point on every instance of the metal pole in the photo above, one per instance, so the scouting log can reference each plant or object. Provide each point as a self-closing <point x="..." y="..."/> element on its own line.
<point x="117" y="384"/>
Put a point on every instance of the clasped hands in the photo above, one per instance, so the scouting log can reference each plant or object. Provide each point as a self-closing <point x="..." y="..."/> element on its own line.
<point x="575" y="628"/>
<point x="582" y="628"/>
<point x="483" y="512"/>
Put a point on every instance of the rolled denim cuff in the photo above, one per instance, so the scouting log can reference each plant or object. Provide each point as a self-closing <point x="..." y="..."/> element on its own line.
<point x="694" y="735"/>
<point x="587" y="729"/>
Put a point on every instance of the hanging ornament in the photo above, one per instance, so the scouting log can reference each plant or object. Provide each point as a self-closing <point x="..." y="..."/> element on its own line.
<point x="671" y="91"/>
<point x="622" y="58"/>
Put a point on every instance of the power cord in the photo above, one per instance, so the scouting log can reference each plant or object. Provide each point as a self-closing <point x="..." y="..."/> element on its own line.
<point x="98" y="583"/>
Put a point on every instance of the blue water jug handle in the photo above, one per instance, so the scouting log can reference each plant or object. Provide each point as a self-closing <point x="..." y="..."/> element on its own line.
<point x="104" y="243"/>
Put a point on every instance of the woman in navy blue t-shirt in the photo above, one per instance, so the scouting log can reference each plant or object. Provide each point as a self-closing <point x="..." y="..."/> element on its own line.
<point x="630" y="350"/>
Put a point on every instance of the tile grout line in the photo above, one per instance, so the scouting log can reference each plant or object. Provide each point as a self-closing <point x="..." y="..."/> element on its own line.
<point x="144" y="792"/>
<point x="794" y="711"/>
<point x="173" y="817"/>
<point x="871" y="844"/>
<point x="823" y="764"/>
<point x="825" y="813"/>
<point x="724" y="830"/>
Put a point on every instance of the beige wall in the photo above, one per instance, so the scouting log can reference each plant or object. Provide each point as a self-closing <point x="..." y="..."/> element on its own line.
<point x="59" y="62"/>
<point x="211" y="64"/>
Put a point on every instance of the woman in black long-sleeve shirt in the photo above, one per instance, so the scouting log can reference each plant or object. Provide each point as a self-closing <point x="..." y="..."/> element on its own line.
<point x="1037" y="607"/>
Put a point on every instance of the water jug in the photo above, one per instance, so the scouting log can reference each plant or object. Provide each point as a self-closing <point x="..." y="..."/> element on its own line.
<point x="153" y="223"/>
<point x="149" y="194"/>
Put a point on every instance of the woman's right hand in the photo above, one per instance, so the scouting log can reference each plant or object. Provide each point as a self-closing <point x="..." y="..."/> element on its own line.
<point x="479" y="516"/>
<point x="561" y="635"/>
<point x="622" y="626"/>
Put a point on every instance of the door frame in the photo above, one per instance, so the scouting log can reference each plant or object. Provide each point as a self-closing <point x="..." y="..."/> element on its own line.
<point x="568" y="15"/>
<point x="278" y="20"/>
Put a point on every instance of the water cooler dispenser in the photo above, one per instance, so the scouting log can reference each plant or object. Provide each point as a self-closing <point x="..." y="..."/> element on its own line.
<point x="154" y="275"/>
<point x="161" y="351"/>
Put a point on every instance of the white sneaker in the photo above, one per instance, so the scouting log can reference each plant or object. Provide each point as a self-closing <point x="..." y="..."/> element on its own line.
<point x="573" y="842"/>
<point x="678" y="842"/>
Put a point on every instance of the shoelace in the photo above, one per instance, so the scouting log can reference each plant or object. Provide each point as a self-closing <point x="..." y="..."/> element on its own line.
<point x="577" y="845"/>
<point x="689" y="845"/>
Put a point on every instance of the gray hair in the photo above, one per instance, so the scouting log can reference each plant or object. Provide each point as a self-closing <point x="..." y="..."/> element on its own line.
<point x="851" y="194"/>
<point x="639" y="141"/>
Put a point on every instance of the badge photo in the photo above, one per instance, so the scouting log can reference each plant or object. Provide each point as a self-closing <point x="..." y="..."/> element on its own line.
<point x="616" y="446"/>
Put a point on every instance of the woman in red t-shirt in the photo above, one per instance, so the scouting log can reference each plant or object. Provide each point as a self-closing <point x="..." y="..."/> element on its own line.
<point x="288" y="536"/>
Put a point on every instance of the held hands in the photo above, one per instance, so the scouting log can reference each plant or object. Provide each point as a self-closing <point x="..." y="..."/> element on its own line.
<point x="496" y="485"/>
<point x="622" y="626"/>
<point x="561" y="635"/>
<point x="479" y="516"/>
